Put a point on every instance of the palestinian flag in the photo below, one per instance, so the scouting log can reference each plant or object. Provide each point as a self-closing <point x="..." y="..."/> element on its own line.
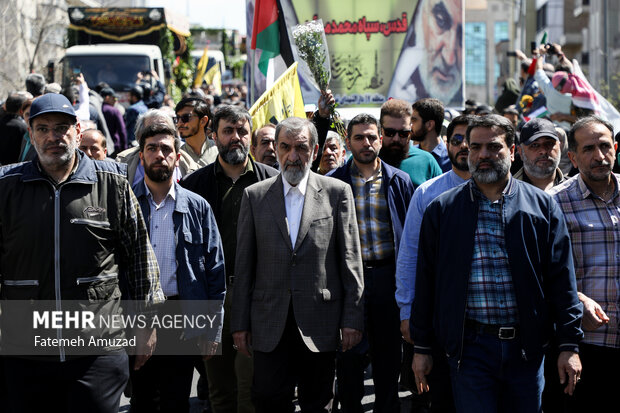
<point x="266" y="32"/>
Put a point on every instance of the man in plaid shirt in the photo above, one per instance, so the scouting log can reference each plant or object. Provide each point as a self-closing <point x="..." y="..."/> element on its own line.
<point x="591" y="205"/>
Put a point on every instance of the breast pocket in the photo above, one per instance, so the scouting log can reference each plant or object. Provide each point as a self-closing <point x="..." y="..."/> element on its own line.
<point x="96" y="238"/>
<point x="101" y="287"/>
<point x="193" y="242"/>
<point x="20" y="289"/>
<point x="321" y="230"/>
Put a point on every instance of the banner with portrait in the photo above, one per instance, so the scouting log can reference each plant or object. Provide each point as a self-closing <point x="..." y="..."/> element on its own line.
<point x="395" y="48"/>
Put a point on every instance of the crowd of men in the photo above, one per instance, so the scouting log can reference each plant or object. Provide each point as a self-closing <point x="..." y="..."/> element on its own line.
<point x="481" y="251"/>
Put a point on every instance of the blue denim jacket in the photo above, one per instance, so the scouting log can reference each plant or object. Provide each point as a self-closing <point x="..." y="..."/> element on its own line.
<point x="199" y="252"/>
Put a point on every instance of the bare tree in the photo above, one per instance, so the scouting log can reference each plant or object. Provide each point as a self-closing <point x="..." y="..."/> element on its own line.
<point x="31" y="33"/>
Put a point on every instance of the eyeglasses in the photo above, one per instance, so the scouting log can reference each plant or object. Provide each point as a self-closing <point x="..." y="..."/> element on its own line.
<point x="456" y="139"/>
<point x="403" y="133"/>
<point x="183" y="118"/>
<point x="59" y="130"/>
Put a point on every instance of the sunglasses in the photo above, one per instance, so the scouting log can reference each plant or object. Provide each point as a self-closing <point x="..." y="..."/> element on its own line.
<point x="389" y="132"/>
<point x="183" y="118"/>
<point x="456" y="139"/>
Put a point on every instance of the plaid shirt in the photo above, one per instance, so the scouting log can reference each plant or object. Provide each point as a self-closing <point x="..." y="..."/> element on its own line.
<point x="373" y="215"/>
<point x="138" y="257"/>
<point x="595" y="235"/>
<point x="490" y="296"/>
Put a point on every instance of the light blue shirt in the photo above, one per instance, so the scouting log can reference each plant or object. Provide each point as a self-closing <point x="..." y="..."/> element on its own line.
<point x="163" y="240"/>
<point x="408" y="252"/>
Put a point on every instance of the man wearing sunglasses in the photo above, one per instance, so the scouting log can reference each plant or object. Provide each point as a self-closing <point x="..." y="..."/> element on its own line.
<point x="193" y="116"/>
<point x="441" y="396"/>
<point x="397" y="150"/>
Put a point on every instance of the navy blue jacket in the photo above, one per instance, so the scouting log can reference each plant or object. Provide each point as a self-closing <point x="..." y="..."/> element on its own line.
<point x="398" y="192"/>
<point x="199" y="252"/>
<point x="540" y="259"/>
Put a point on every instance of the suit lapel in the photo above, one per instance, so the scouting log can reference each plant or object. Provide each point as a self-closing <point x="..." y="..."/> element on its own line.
<point x="311" y="202"/>
<point x="275" y="198"/>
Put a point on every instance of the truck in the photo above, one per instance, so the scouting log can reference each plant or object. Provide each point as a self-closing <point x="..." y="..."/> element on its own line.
<point x="114" y="44"/>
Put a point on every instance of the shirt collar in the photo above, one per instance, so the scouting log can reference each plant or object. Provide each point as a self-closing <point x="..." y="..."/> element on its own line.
<point x="302" y="186"/>
<point x="585" y="190"/>
<point x="355" y="172"/>
<point x="171" y="193"/>
<point x="508" y="189"/>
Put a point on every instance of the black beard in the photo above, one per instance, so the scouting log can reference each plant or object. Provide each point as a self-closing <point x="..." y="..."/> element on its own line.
<point x="158" y="175"/>
<point x="392" y="156"/>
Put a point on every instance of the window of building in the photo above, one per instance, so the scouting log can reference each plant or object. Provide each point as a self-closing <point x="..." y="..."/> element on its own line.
<point x="475" y="53"/>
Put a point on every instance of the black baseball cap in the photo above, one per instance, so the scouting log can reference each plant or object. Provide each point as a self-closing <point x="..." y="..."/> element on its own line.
<point x="537" y="128"/>
<point x="51" y="103"/>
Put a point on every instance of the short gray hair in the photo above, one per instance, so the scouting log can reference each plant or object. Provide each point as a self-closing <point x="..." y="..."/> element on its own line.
<point x="152" y="116"/>
<point x="297" y="125"/>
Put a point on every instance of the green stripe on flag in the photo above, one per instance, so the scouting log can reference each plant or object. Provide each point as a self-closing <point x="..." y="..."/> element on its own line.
<point x="268" y="41"/>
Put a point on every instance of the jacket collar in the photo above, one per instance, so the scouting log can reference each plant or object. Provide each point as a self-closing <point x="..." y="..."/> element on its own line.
<point x="181" y="203"/>
<point x="85" y="171"/>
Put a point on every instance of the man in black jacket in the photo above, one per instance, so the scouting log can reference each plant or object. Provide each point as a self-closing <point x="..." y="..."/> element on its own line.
<point x="70" y="229"/>
<point x="221" y="184"/>
<point x="12" y="129"/>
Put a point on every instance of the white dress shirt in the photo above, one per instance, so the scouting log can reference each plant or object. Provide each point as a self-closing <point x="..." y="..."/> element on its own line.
<point x="294" y="197"/>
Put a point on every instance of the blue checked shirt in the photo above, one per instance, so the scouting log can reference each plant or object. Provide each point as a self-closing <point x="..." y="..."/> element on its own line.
<point x="491" y="297"/>
<point x="373" y="215"/>
<point x="594" y="227"/>
<point x="163" y="240"/>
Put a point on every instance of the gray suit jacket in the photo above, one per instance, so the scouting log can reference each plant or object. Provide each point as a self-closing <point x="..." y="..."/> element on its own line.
<point x="322" y="274"/>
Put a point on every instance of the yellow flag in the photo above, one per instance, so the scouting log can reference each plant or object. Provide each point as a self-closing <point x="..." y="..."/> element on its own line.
<point x="214" y="77"/>
<point x="281" y="101"/>
<point x="201" y="68"/>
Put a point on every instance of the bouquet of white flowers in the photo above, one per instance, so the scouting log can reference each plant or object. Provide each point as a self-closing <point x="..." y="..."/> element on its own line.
<point x="312" y="50"/>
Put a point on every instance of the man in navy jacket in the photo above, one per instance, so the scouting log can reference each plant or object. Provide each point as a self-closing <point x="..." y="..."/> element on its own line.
<point x="382" y="194"/>
<point x="495" y="274"/>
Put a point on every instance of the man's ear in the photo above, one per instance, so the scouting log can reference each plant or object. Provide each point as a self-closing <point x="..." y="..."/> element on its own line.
<point x="78" y="136"/>
<point x="429" y="126"/>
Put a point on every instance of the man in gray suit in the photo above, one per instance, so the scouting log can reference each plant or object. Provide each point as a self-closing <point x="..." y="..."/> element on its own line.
<point x="297" y="294"/>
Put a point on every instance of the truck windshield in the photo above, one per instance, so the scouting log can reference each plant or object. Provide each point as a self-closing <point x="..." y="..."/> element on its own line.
<point x="118" y="71"/>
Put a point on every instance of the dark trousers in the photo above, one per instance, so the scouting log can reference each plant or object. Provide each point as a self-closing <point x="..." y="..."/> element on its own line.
<point x="163" y="384"/>
<point x="596" y="392"/>
<point x="91" y="384"/>
<point x="291" y="363"/>
<point x="384" y="343"/>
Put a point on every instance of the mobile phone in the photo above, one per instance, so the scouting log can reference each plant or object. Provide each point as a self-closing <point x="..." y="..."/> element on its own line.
<point x="511" y="53"/>
<point x="533" y="46"/>
<point x="76" y="70"/>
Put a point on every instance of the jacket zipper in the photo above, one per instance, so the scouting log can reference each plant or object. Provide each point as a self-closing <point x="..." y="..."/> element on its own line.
<point x="21" y="282"/>
<point x="85" y="280"/>
<point x="61" y="348"/>
<point x="95" y="223"/>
